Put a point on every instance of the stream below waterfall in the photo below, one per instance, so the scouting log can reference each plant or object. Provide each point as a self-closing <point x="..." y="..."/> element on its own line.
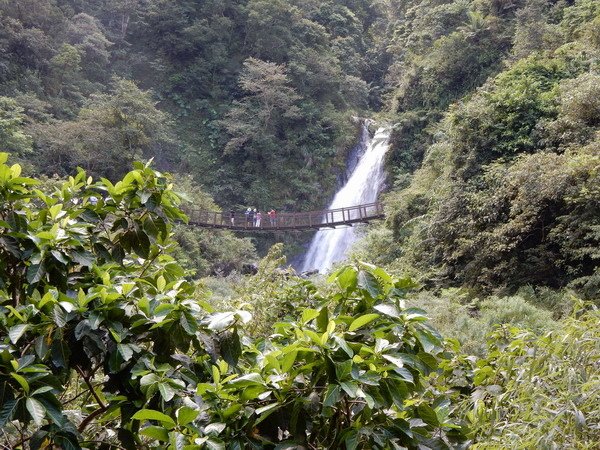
<point x="363" y="186"/>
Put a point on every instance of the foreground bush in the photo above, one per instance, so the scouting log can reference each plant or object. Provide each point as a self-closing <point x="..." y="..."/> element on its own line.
<point x="102" y="344"/>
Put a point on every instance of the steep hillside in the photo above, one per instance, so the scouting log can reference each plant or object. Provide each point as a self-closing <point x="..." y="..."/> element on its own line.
<point x="507" y="192"/>
<point x="253" y="98"/>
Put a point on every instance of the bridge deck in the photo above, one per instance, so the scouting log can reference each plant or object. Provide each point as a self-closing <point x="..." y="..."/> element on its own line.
<point x="330" y="218"/>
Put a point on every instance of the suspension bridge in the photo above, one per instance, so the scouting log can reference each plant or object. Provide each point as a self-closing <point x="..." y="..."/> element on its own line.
<point x="281" y="221"/>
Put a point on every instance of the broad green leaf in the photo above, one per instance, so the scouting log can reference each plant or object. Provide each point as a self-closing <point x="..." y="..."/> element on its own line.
<point x="35" y="272"/>
<point x="341" y="342"/>
<point x="398" y="362"/>
<point x="161" y="283"/>
<point x="351" y="440"/>
<point x="331" y="326"/>
<point x="248" y="380"/>
<point x="343" y="369"/>
<point x="231" y="410"/>
<point x="350" y="387"/>
<point x="362" y="321"/>
<point x="370" y="400"/>
<point x="313" y="336"/>
<point x="154" y="432"/>
<point x="212" y="444"/>
<point x="48" y="235"/>
<point x="253" y="392"/>
<point x="54" y="210"/>
<point x="428" y="415"/>
<point x="53" y="412"/>
<point x="166" y="391"/>
<point x="323" y="319"/>
<point x="15" y="333"/>
<point x="21" y="380"/>
<point x="381" y="344"/>
<point x="15" y="170"/>
<point x="396" y="389"/>
<point x="59" y="256"/>
<point x="126" y="351"/>
<point x="60" y="316"/>
<point x="231" y="348"/>
<point x="185" y="415"/>
<point x="427" y="340"/>
<point x="214" y="429"/>
<point x="309" y="314"/>
<point x="288" y="361"/>
<point x="7" y="411"/>
<point x="332" y="395"/>
<point x="216" y="374"/>
<point x="388" y="309"/>
<point x="383" y="275"/>
<point x="141" y="243"/>
<point x="346" y="278"/>
<point x="14" y="312"/>
<point x="414" y="313"/>
<point x="221" y="321"/>
<point x="411" y="361"/>
<point x="83" y="258"/>
<point x="36" y="410"/>
<point x="150" y="414"/>
<point x="67" y="306"/>
<point x="41" y="390"/>
<point x="267" y="408"/>
<point x="368" y="282"/>
<point x="405" y="374"/>
<point x="60" y="353"/>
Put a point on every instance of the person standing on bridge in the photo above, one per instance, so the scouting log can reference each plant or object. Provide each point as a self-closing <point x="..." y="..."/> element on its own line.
<point x="271" y="215"/>
<point x="250" y="221"/>
<point x="232" y="217"/>
<point x="248" y="218"/>
<point x="255" y="212"/>
<point x="257" y="219"/>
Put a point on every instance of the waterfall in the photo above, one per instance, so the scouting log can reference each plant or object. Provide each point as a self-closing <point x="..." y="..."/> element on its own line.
<point x="363" y="186"/>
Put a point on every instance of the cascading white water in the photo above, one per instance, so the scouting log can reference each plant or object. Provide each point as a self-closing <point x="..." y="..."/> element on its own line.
<point x="363" y="186"/>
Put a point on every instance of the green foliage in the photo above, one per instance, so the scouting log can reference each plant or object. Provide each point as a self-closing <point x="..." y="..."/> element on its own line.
<point x="11" y="128"/>
<point x="87" y="289"/>
<point x="500" y="122"/>
<point x="535" y="30"/>
<point x="324" y="379"/>
<point x="272" y="294"/>
<point x="549" y="381"/>
<point x="491" y="206"/>
<point x="516" y="224"/>
<point x="95" y="314"/>
<point x="191" y="55"/>
<point x="457" y="315"/>
<point x="441" y="51"/>
<point x="111" y="132"/>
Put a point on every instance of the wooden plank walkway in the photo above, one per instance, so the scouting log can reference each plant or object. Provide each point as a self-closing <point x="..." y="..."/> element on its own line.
<point x="330" y="218"/>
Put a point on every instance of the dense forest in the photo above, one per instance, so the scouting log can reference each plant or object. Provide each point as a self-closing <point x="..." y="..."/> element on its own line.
<point x="466" y="319"/>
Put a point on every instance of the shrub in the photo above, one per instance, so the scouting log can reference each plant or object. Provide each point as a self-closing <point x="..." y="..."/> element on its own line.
<point x="96" y="316"/>
<point x="457" y="315"/>
<point x="539" y="392"/>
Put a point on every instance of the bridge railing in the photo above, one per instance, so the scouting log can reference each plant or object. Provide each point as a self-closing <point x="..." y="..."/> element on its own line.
<point x="283" y="220"/>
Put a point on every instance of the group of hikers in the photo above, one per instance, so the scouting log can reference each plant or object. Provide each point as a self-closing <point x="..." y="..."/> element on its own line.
<point x="254" y="217"/>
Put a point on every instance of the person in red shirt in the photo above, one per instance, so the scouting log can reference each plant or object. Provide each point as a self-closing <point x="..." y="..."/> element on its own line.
<point x="272" y="217"/>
